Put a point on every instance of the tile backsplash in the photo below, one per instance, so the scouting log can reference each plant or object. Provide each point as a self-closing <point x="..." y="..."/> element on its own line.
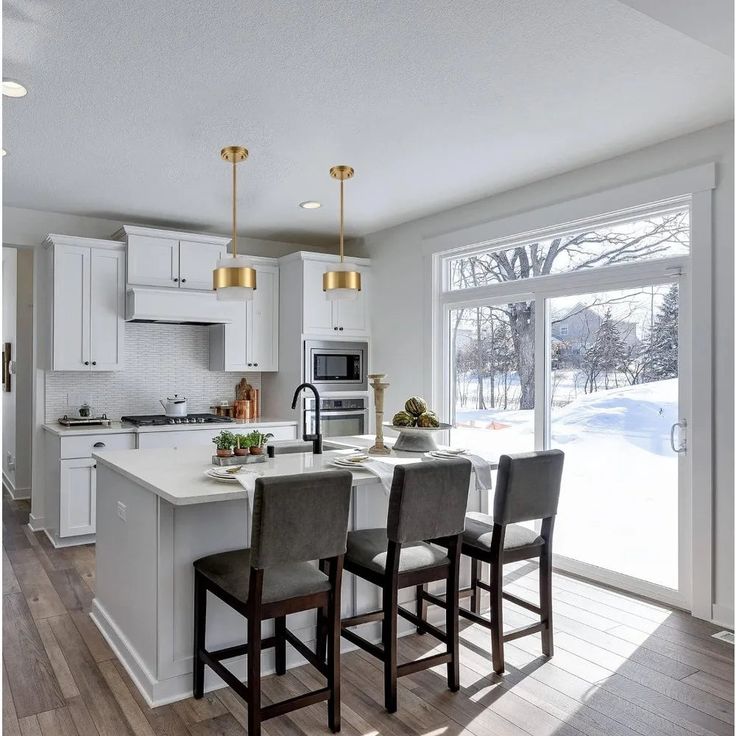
<point x="160" y="360"/>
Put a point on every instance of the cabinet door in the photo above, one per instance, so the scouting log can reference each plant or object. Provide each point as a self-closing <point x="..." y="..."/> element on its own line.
<point x="351" y="315"/>
<point x="153" y="261"/>
<point x="197" y="261"/>
<point x="77" y="501"/>
<point x="317" y="310"/>
<point x="180" y="438"/>
<point x="71" y="309"/>
<point x="263" y="322"/>
<point x="107" y="309"/>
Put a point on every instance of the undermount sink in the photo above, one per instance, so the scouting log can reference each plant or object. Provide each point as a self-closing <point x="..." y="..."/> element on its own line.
<point x="289" y="447"/>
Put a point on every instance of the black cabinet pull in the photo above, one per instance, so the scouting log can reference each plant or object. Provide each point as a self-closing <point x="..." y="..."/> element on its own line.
<point x="86" y="362"/>
<point x="98" y="444"/>
<point x="94" y="362"/>
<point x="183" y="281"/>
<point x="250" y="365"/>
<point x="175" y="280"/>
<point x="340" y="329"/>
<point x="255" y="364"/>
<point x="334" y="328"/>
<point x="95" y="466"/>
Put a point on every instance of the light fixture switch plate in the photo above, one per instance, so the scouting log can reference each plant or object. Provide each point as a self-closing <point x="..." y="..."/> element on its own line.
<point x="122" y="511"/>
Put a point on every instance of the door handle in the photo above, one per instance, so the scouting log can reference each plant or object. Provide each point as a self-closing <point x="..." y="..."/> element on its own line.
<point x="98" y="444"/>
<point x="682" y="447"/>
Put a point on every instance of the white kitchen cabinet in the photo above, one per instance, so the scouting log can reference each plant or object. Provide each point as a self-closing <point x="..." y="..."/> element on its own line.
<point x="77" y="497"/>
<point x="182" y="438"/>
<point x="323" y="317"/>
<point x="250" y="341"/>
<point x="169" y="259"/>
<point x="87" y="304"/>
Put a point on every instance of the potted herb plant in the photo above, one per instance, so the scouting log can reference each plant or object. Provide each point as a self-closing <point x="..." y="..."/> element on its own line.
<point x="242" y="444"/>
<point x="224" y="442"/>
<point x="257" y="440"/>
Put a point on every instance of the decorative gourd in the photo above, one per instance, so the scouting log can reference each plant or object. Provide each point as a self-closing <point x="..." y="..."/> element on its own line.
<point x="428" y="419"/>
<point x="403" y="419"/>
<point x="416" y="406"/>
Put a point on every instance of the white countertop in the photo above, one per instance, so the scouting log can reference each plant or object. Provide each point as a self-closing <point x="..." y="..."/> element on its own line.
<point x="177" y="475"/>
<point x="118" y="428"/>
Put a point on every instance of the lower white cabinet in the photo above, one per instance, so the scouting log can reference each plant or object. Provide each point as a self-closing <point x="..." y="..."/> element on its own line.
<point x="77" y="497"/>
<point x="198" y="437"/>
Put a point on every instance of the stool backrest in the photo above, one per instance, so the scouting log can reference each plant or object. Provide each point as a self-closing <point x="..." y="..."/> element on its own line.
<point x="428" y="500"/>
<point x="298" y="518"/>
<point x="527" y="486"/>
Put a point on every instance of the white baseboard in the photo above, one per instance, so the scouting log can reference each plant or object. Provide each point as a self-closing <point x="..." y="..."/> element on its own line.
<point x="17" y="494"/>
<point x="722" y="616"/>
<point x="59" y="543"/>
<point x="36" y="523"/>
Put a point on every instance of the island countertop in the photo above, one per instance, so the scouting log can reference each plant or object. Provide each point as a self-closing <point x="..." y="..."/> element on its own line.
<point x="177" y="475"/>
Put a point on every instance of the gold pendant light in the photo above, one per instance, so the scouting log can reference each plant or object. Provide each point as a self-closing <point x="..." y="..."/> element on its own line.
<point x="342" y="283"/>
<point x="234" y="279"/>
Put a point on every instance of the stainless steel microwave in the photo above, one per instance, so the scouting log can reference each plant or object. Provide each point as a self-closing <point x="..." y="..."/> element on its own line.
<point x="336" y="366"/>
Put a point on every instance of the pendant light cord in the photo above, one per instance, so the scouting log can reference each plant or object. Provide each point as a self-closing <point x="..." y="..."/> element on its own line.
<point x="342" y="216"/>
<point x="235" y="211"/>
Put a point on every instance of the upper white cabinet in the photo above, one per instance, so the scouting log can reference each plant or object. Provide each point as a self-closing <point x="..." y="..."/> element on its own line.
<point x="323" y="317"/>
<point x="250" y="341"/>
<point x="86" y="303"/>
<point x="164" y="258"/>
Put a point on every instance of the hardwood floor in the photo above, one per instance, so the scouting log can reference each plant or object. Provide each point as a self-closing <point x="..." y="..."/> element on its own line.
<point x="622" y="666"/>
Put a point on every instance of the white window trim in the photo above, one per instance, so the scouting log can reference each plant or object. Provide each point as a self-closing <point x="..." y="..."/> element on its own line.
<point x="696" y="182"/>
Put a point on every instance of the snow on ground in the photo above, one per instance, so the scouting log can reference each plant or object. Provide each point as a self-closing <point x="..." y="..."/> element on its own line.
<point x="618" y="508"/>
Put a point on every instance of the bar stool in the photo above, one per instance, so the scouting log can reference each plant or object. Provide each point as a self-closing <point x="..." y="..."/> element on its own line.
<point x="527" y="488"/>
<point x="427" y="503"/>
<point x="296" y="519"/>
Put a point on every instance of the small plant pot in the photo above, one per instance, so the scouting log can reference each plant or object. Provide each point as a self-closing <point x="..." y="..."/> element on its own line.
<point x="256" y="451"/>
<point x="240" y="451"/>
<point x="224" y="453"/>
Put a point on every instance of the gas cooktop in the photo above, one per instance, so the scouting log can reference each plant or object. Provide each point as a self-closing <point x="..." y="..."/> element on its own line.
<point x="160" y="420"/>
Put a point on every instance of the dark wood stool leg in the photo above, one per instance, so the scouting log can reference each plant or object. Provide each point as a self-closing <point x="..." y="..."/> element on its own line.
<point x="475" y="576"/>
<point x="200" y="615"/>
<point x="280" y="650"/>
<point x="389" y="637"/>
<point x="254" y="653"/>
<point x="333" y="648"/>
<point x="322" y="623"/>
<point x="497" y="617"/>
<point x="452" y="618"/>
<point x="421" y="608"/>
<point x="545" y="601"/>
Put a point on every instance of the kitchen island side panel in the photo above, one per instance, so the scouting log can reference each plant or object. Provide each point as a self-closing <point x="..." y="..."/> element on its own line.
<point x="126" y="569"/>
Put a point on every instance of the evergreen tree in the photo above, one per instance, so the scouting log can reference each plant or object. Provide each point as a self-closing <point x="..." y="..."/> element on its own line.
<point x="606" y="355"/>
<point x="662" y="343"/>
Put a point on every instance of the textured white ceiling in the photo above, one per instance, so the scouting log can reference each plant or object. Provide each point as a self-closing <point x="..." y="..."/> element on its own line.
<point x="433" y="103"/>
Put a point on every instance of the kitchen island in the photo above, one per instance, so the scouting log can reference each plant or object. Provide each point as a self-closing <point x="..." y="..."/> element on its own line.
<point x="156" y="513"/>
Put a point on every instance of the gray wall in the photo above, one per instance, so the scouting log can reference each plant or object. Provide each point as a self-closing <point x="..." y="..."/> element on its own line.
<point x="400" y="312"/>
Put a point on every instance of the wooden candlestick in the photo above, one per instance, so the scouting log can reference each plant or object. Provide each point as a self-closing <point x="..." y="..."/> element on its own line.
<point x="378" y="388"/>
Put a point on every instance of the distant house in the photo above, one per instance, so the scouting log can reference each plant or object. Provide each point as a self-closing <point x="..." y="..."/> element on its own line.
<point x="574" y="330"/>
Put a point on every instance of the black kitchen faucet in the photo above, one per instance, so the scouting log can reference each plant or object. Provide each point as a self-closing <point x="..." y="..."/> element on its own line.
<point x="316" y="438"/>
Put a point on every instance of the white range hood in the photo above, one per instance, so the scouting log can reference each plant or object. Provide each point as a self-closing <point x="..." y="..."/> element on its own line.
<point x="175" y="306"/>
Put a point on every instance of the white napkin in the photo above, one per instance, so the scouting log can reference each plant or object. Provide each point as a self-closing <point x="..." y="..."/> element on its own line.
<point x="383" y="469"/>
<point x="248" y="481"/>
<point x="481" y="468"/>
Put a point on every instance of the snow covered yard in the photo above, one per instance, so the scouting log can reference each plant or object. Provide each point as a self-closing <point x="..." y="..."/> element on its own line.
<point x="619" y="504"/>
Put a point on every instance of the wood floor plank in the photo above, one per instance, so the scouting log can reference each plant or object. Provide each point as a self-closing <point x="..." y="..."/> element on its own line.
<point x="81" y="717"/>
<point x="29" y="726"/>
<point x="30" y="675"/>
<point x="58" y="662"/>
<point x="193" y="711"/>
<point x="40" y="595"/>
<point x="57" y="723"/>
<point x="91" y="635"/>
<point x="73" y="592"/>
<point x="131" y="710"/>
<point x="83" y="560"/>
<point x="710" y="684"/>
<point x="222" y="725"/>
<point x="93" y="688"/>
<point x="10" y="718"/>
<point x="10" y="582"/>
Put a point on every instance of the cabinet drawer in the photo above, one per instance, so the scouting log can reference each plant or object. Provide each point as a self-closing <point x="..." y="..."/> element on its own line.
<point x="85" y="445"/>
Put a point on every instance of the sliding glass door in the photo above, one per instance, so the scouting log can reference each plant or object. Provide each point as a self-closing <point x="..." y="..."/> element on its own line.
<point x="579" y="340"/>
<point x="613" y="365"/>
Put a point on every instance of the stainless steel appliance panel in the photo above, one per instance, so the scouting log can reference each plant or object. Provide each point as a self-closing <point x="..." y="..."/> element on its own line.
<point x="336" y="366"/>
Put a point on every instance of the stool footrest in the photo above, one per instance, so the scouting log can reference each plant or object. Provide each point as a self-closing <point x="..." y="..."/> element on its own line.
<point x="240" y="649"/>
<point x="524" y="631"/>
<point x="305" y="651"/>
<point x="429" y="628"/>
<point x="522" y="603"/>
<point x="362" y="618"/>
<point x="240" y="687"/>
<point x="409" y="668"/>
<point x="298" y="701"/>
<point x="364" y="644"/>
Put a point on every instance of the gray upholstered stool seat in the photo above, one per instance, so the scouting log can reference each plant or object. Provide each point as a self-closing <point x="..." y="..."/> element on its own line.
<point x="479" y="533"/>
<point x="231" y="572"/>
<point x="369" y="548"/>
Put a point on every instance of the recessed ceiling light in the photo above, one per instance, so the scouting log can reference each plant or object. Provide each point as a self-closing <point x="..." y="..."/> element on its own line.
<point x="11" y="88"/>
<point x="309" y="205"/>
